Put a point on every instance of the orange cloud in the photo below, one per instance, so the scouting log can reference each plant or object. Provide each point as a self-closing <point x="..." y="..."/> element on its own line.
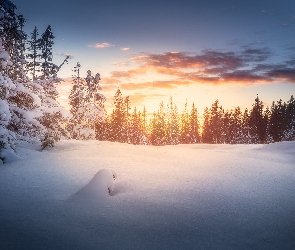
<point x="213" y="67"/>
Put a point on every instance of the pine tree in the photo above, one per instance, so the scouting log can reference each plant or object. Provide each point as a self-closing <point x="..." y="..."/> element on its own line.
<point x="7" y="137"/>
<point x="87" y="105"/>
<point x="33" y="54"/>
<point x="13" y="39"/>
<point x="172" y="126"/>
<point x="289" y="131"/>
<point x="184" y="136"/>
<point x="23" y="100"/>
<point x="46" y="44"/>
<point x="193" y="132"/>
<point x="257" y="123"/>
<point x="117" y="127"/>
<point x="158" y="134"/>
<point x="212" y="128"/>
<point x="135" y="132"/>
<point x="127" y="121"/>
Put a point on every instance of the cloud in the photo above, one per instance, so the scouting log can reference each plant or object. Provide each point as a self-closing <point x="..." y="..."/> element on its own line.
<point x="125" y="48"/>
<point x="287" y="74"/>
<point x="248" y="66"/>
<point x="101" y="45"/>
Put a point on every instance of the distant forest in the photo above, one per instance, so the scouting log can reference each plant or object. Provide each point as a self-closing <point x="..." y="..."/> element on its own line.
<point x="168" y="126"/>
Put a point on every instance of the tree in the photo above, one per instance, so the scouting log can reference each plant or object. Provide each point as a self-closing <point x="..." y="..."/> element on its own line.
<point x="46" y="44"/>
<point x="13" y="39"/>
<point x="172" y="126"/>
<point x="118" y="125"/>
<point x="212" y="128"/>
<point x="33" y="55"/>
<point x="87" y="105"/>
<point x="289" y="132"/>
<point x="257" y="123"/>
<point x="193" y="131"/>
<point x="7" y="137"/>
<point x="158" y="127"/>
<point x="184" y="136"/>
<point x="135" y="131"/>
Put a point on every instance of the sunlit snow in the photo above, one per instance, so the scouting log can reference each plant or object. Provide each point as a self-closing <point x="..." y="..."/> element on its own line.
<point x="172" y="197"/>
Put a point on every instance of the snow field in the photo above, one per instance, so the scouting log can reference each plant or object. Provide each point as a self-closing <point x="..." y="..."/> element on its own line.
<point x="173" y="197"/>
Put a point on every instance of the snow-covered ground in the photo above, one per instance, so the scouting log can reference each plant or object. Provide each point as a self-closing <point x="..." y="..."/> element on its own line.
<point x="171" y="197"/>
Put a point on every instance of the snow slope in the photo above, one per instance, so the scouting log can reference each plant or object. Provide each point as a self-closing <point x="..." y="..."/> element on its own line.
<point x="173" y="197"/>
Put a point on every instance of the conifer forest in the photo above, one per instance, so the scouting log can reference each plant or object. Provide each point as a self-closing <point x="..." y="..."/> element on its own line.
<point x="30" y="111"/>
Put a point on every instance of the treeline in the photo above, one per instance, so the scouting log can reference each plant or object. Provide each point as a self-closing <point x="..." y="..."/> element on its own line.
<point x="168" y="126"/>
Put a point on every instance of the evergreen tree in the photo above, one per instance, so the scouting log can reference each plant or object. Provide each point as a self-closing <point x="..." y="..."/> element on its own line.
<point x="257" y="123"/>
<point x="33" y="55"/>
<point x="172" y="126"/>
<point x="237" y="127"/>
<point x="13" y="39"/>
<point x="184" y="136"/>
<point x="87" y="105"/>
<point x="23" y="100"/>
<point x="103" y="128"/>
<point x="135" y="132"/>
<point x="246" y="127"/>
<point x="7" y="137"/>
<point x="46" y="44"/>
<point x="117" y="126"/>
<point x="127" y="118"/>
<point x="289" y="132"/>
<point x="158" y="127"/>
<point x="212" y="128"/>
<point x="193" y="132"/>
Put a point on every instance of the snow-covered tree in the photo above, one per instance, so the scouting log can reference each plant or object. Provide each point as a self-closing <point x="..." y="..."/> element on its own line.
<point x="13" y="39"/>
<point x="87" y="105"/>
<point x="194" y="127"/>
<point x="118" y="130"/>
<point x="212" y="128"/>
<point x="257" y="122"/>
<point x="7" y="137"/>
<point x="184" y="126"/>
<point x="289" y="133"/>
<point x="158" y="127"/>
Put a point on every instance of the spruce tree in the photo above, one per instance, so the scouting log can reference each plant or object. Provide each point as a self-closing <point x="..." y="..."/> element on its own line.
<point x="289" y="132"/>
<point x="172" y="126"/>
<point x="257" y="122"/>
<point x="184" y="136"/>
<point x="33" y="56"/>
<point x="193" y="132"/>
<point x="212" y="128"/>
<point x="46" y="44"/>
<point x="7" y="137"/>
<point x="118" y="129"/>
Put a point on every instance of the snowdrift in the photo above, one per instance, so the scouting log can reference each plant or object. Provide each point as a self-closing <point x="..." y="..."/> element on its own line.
<point x="173" y="197"/>
<point x="100" y="186"/>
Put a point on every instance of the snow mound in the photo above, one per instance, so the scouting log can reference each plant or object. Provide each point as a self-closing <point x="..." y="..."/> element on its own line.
<point x="101" y="185"/>
<point x="8" y="155"/>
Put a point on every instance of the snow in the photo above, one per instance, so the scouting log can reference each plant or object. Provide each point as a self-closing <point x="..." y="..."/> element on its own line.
<point x="100" y="186"/>
<point x="195" y="196"/>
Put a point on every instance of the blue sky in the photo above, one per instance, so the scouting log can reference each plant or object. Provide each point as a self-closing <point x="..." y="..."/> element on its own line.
<point x="229" y="50"/>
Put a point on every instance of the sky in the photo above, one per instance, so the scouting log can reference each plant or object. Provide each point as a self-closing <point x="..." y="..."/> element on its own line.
<point x="194" y="51"/>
